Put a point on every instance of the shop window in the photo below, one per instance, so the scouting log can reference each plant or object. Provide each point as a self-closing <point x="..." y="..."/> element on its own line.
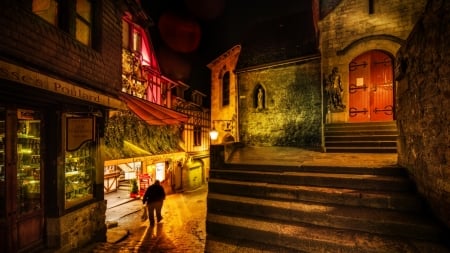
<point x="197" y="135"/>
<point x="160" y="171"/>
<point x="226" y="89"/>
<point x="28" y="162"/>
<point x="79" y="174"/>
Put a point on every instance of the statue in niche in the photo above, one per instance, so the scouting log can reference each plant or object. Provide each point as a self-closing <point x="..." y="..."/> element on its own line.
<point x="333" y="87"/>
<point x="260" y="99"/>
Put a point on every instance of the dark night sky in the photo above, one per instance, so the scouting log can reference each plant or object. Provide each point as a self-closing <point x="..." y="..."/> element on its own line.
<point x="189" y="34"/>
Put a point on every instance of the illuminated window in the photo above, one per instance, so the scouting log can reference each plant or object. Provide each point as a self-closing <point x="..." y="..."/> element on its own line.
<point x="74" y="17"/>
<point x="197" y="135"/>
<point x="137" y="41"/>
<point x="131" y="36"/>
<point x="46" y="9"/>
<point x="83" y="22"/>
<point x="126" y="34"/>
<point x="226" y="89"/>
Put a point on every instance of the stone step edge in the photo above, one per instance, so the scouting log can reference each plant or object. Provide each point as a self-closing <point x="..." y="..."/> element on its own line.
<point x="402" y="201"/>
<point x="369" y="220"/>
<point x="386" y="183"/>
<point x="214" y="244"/>
<point x="305" y="237"/>
<point x="386" y="170"/>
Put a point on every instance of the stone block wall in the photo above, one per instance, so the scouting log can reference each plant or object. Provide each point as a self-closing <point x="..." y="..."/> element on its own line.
<point x="221" y="65"/>
<point x="292" y="109"/>
<point x="423" y="106"/>
<point x="349" y="30"/>
<point x="76" y="229"/>
<point x="31" y="41"/>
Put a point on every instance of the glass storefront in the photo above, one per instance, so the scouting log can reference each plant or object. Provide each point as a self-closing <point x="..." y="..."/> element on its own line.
<point x="79" y="174"/>
<point x="21" y="177"/>
<point x="28" y="162"/>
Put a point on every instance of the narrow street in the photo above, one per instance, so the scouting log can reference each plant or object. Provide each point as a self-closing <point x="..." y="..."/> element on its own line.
<point x="181" y="230"/>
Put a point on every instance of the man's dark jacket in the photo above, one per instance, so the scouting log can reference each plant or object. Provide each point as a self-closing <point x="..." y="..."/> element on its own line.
<point x="154" y="193"/>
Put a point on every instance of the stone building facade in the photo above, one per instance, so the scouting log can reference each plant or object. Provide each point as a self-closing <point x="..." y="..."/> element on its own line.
<point x="280" y="106"/>
<point x="224" y="96"/>
<point x="349" y="29"/>
<point x="407" y="37"/>
<point x="59" y="78"/>
<point x="423" y="106"/>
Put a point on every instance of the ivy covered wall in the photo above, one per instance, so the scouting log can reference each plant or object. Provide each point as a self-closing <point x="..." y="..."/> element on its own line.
<point x="290" y="114"/>
<point x="127" y="136"/>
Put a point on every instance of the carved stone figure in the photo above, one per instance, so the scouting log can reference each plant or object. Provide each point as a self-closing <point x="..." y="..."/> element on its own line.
<point x="260" y="104"/>
<point x="333" y="87"/>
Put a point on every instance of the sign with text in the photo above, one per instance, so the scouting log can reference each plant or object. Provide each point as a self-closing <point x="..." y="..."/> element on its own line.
<point x="79" y="131"/>
<point x="38" y="80"/>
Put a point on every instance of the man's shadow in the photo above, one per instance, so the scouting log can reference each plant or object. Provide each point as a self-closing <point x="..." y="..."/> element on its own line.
<point x="155" y="240"/>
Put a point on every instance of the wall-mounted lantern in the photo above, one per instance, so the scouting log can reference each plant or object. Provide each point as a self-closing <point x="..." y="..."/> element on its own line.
<point x="225" y="125"/>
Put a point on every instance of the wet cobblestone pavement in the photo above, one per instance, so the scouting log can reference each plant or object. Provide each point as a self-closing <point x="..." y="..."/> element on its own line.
<point x="181" y="230"/>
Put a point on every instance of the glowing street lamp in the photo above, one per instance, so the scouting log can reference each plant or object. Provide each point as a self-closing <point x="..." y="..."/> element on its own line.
<point x="213" y="133"/>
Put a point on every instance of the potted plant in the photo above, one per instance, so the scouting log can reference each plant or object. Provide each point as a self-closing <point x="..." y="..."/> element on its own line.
<point x="134" y="193"/>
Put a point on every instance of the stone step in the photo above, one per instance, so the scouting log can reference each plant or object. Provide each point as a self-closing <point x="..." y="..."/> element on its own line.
<point x="225" y="230"/>
<point x="355" y="181"/>
<point x="216" y="244"/>
<point x="388" y="125"/>
<point x="368" y="149"/>
<point x="376" y="137"/>
<point x="356" y="133"/>
<point x="359" y="143"/>
<point x="402" y="201"/>
<point x="369" y="220"/>
<point x="346" y="138"/>
<point x="360" y="169"/>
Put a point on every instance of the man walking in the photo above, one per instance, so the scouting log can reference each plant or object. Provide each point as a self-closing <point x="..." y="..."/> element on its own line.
<point x="154" y="197"/>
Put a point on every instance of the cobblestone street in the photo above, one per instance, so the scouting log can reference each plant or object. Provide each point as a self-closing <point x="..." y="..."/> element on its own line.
<point x="181" y="230"/>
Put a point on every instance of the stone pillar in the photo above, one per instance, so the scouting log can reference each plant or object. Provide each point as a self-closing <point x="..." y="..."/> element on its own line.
<point x="217" y="156"/>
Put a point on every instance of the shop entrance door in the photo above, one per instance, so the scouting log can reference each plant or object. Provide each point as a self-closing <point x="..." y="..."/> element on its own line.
<point x="21" y="203"/>
<point x="371" y="87"/>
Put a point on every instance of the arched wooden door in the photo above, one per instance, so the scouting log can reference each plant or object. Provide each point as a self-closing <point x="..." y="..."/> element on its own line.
<point x="371" y="87"/>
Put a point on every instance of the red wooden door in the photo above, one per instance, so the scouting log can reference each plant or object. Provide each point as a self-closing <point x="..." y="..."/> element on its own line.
<point x="371" y="93"/>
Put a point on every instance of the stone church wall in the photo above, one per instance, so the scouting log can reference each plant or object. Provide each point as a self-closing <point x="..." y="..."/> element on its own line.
<point x="423" y="106"/>
<point x="290" y="114"/>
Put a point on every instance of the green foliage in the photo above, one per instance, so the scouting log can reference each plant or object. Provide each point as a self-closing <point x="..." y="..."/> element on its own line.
<point x="299" y="135"/>
<point x="125" y="126"/>
<point x="134" y="186"/>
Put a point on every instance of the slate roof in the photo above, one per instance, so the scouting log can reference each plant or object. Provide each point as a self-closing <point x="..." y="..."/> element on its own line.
<point x="278" y="39"/>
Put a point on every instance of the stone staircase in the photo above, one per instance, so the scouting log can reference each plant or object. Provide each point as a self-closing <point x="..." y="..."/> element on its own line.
<point x="370" y="137"/>
<point x="270" y="208"/>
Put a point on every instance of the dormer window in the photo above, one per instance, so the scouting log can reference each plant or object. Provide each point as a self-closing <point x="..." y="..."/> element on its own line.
<point x="137" y="41"/>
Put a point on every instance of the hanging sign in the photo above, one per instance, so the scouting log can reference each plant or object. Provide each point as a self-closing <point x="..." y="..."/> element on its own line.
<point x="79" y="131"/>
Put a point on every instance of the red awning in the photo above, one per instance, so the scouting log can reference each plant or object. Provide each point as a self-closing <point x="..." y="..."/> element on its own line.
<point x="152" y="113"/>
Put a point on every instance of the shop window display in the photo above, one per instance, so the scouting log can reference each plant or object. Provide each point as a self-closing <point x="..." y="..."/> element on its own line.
<point x="79" y="174"/>
<point x="28" y="164"/>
